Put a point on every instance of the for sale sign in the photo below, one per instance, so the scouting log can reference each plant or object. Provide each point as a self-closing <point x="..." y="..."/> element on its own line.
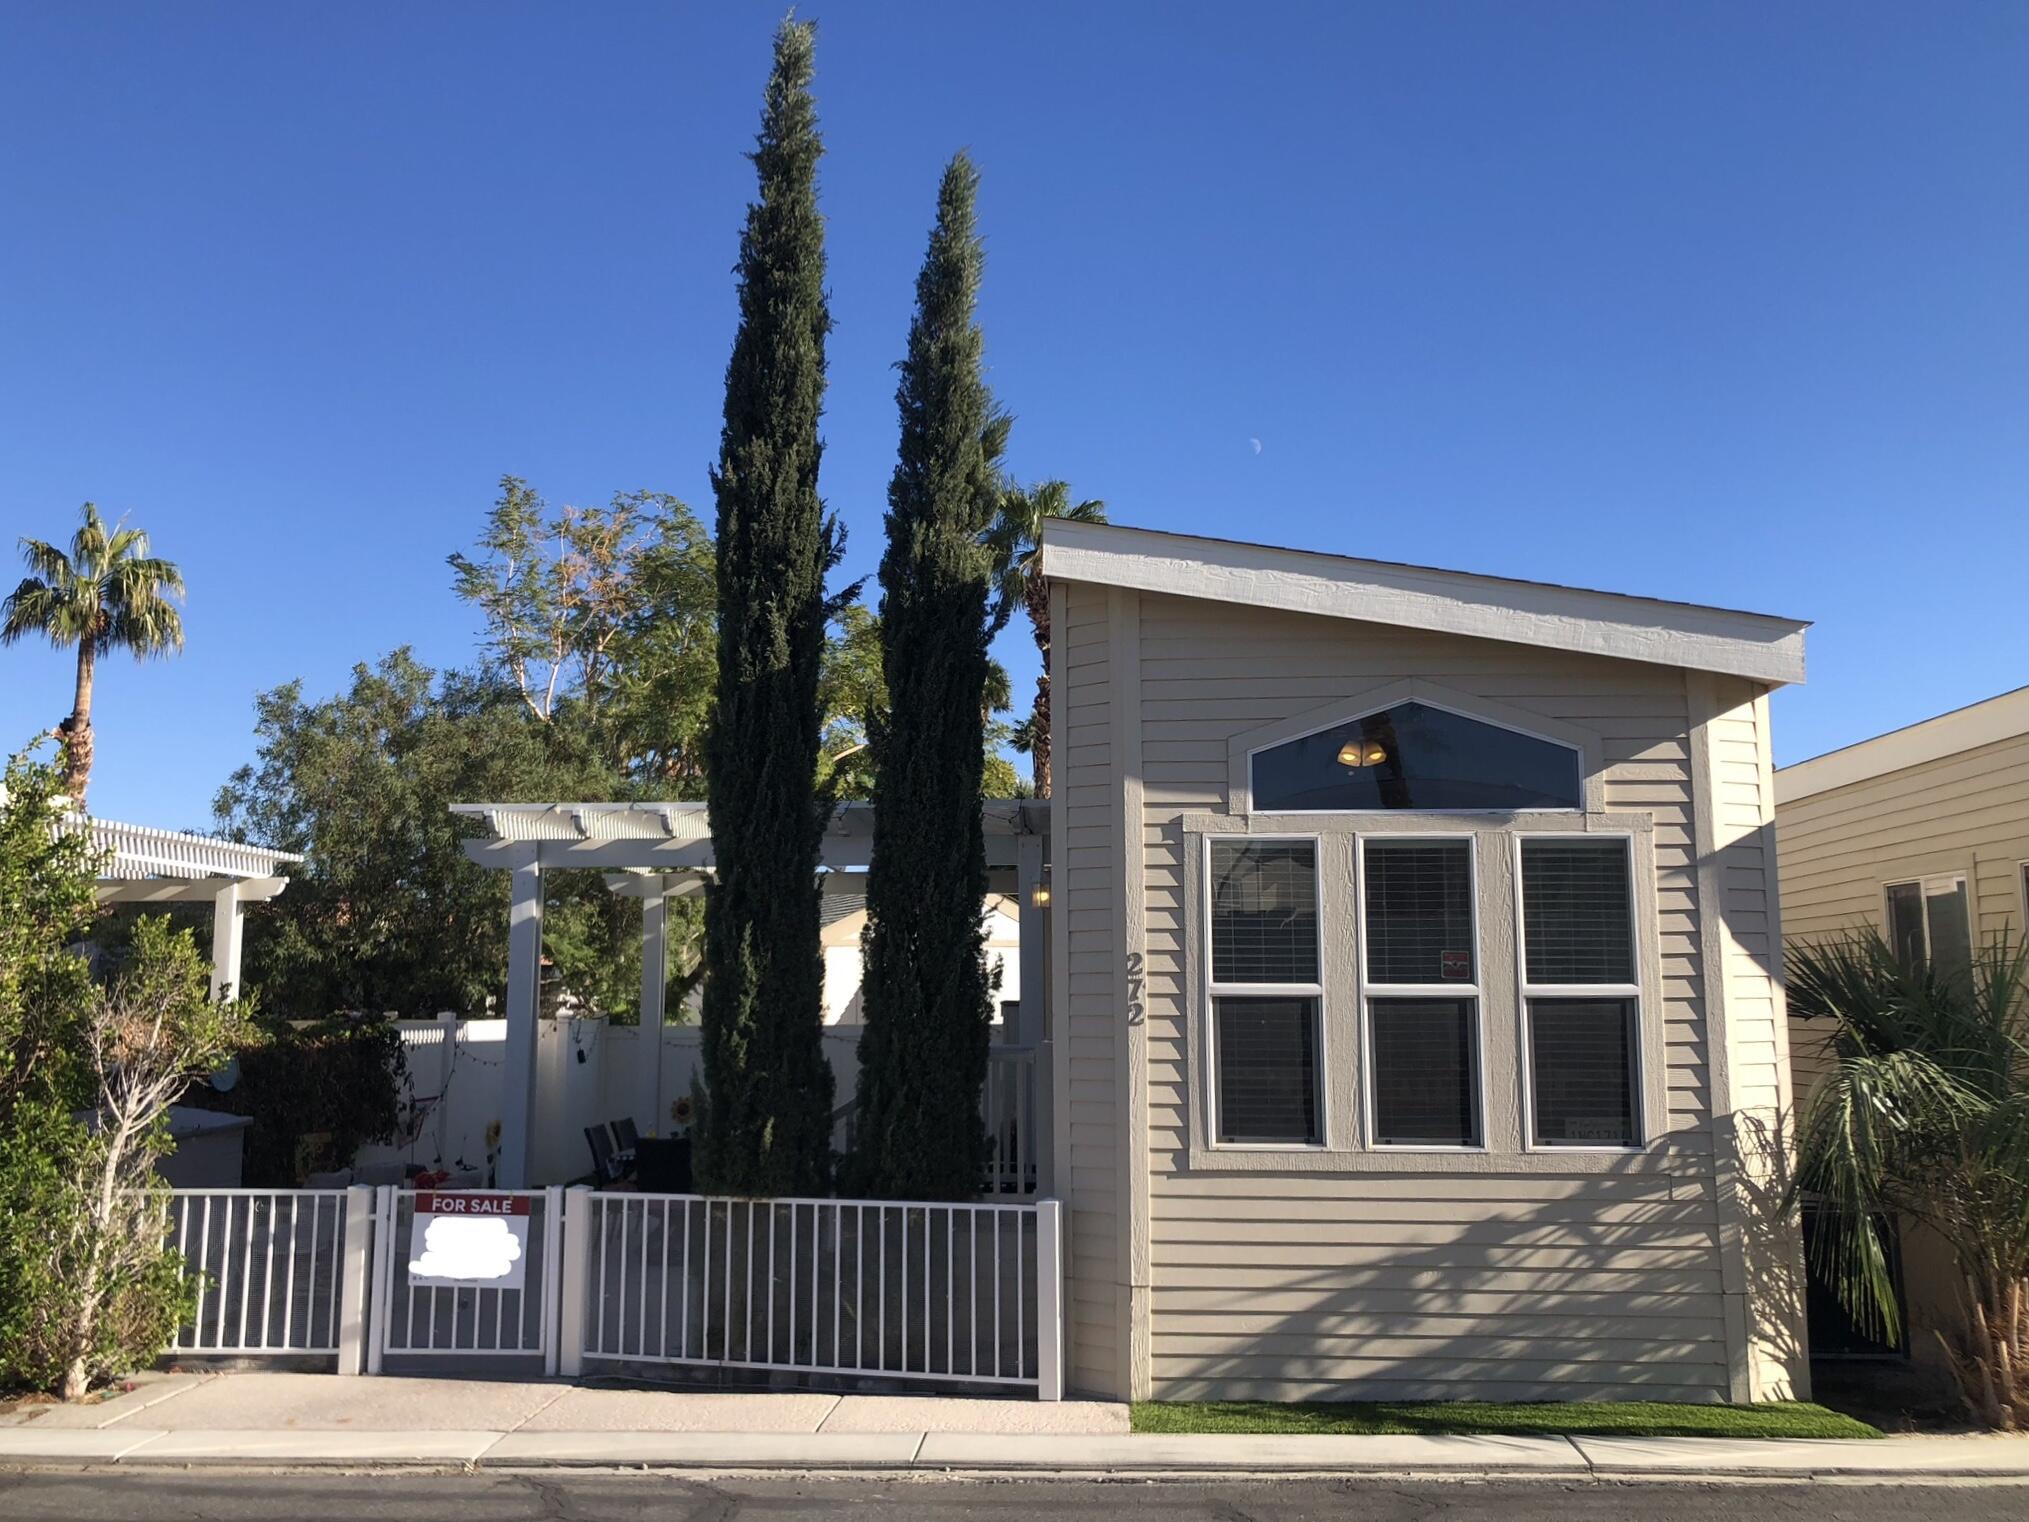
<point x="469" y="1237"/>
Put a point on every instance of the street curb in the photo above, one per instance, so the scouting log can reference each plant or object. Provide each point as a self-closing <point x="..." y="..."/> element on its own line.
<point x="961" y="1456"/>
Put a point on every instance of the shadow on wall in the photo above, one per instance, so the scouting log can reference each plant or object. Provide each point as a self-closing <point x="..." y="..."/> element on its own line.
<point x="1615" y="1282"/>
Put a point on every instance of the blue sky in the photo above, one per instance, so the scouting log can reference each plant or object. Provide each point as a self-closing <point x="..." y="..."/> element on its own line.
<point x="1716" y="302"/>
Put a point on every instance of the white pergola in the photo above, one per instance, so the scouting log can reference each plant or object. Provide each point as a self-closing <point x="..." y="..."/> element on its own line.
<point x="144" y="865"/>
<point x="659" y="851"/>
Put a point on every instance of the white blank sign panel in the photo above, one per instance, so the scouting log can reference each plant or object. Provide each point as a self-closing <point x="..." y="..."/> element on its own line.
<point x="469" y="1239"/>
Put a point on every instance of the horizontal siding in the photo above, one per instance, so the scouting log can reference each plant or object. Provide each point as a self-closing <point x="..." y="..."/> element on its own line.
<point x="1084" y="889"/>
<point x="1273" y="1285"/>
<point x="1970" y="810"/>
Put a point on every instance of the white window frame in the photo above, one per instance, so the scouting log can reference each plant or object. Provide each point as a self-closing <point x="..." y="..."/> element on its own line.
<point x="1962" y="880"/>
<point x="1214" y="991"/>
<point x="1369" y="990"/>
<point x="2022" y="882"/>
<point x="1526" y="992"/>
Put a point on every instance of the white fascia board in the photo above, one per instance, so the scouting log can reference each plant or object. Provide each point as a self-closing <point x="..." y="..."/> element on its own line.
<point x="1755" y="645"/>
<point x="1963" y="729"/>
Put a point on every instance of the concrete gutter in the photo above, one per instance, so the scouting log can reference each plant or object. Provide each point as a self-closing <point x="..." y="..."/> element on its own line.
<point x="960" y="1454"/>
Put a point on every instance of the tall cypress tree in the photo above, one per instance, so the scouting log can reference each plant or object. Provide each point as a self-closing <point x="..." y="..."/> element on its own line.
<point x="923" y="1053"/>
<point x="766" y="1122"/>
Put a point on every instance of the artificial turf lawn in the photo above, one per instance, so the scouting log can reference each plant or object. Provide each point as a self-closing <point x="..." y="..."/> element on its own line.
<point x="1584" y="1418"/>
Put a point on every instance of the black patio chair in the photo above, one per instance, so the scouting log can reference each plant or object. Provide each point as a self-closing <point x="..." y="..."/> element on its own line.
<point x="626" y="1137"/>
<point x="606" y="1164"/>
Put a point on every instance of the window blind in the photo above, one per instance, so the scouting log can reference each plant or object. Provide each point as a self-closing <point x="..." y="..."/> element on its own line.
<point x="1267" y="1069"/>
<point x="1419" y="911"/>
<point x="1264" y="912"/>
<point x="1425" y="1072"/>
<point x="1577" y="911"/>
<point x="1581" y="1061"/>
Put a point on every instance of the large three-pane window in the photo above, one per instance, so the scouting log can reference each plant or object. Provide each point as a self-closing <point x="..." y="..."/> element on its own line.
<point x="1422" y="992"/>
<point x="1267" y="991"/>
<point x="1581" y="993"/>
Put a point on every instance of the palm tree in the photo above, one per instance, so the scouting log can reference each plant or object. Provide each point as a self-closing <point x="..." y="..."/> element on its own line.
<point x="1016" y="540"/>
<point x="1924" y="1118"/>
<point x="108" y="593"/>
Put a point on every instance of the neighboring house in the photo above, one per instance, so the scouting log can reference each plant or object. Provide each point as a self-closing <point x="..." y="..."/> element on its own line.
<point x="1922" y="834"/>
<point x="1415" y="1002"/>
<point x="845" y="921"/>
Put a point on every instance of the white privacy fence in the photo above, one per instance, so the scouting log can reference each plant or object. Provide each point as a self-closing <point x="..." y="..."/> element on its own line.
<point x="939" y="1294"/>
<point x="947" y="1293"/>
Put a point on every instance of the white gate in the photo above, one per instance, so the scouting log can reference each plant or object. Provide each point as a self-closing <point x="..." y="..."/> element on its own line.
<point x="411" y="1320"/>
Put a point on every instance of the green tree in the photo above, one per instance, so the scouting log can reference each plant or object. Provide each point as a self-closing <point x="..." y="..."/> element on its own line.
<point x="602" y="618"/>
<point x="1016" y="540"/>
<point x="927" y="990"/>
<point x="108" y="593"/>
<point x="88" y="1286"/>
<point x="47" y="905"/>
<point x="1924" y="1118"/>
<point x="665" y="662"/>
<point x="387" y="913"/>
<point x="766" y="1124"/>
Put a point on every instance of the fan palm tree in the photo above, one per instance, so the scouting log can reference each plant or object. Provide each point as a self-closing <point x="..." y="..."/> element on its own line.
<point x="1924" y="1118"/>
<point x="108" y="593"/>
<point x="1016" y="540"/>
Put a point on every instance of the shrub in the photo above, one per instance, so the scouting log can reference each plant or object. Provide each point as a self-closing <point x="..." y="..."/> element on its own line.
<point x="1924" y="1116"/>
<point x="88" y="1283"/>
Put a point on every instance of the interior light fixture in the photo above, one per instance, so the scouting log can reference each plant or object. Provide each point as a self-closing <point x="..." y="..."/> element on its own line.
<point x="1362" y="753"/>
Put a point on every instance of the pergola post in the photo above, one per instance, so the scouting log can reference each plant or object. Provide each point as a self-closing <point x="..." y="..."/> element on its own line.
<point x="654" y="984"/>
<point x="228" y="927"/>
<point x="524" y="991"/>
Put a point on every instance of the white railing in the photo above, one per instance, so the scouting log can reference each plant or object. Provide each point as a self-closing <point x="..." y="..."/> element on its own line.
<point x="466" y="1321"/>
<point x="939" y="1294"/>
<point x="1008" y="1105"/>
<point x="944" y="1294"/>
<point x="275" y="1276"/>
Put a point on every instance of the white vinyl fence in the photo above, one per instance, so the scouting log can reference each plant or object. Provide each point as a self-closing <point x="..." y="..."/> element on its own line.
<point x="946" y="1293"/>
<point x="938" y="1294"/>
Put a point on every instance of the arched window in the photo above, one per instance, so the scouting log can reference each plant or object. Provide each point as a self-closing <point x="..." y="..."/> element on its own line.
<point x="1416" y="756"/>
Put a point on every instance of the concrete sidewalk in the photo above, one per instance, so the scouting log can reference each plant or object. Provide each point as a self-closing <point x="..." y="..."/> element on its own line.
<point x="292" y="1420"/>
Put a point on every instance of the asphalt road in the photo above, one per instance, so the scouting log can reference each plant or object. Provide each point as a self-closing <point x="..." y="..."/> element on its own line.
<point x="198" y="1496"/>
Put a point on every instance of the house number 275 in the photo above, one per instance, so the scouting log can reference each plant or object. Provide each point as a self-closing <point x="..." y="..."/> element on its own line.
<point x="1137" y="986"/>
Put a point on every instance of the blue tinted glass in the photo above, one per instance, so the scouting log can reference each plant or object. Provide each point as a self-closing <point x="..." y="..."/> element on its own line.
<point x="1413" y="756"/>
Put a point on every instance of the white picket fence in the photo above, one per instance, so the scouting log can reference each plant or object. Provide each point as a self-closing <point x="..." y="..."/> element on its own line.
<point x="948" y="1295"/>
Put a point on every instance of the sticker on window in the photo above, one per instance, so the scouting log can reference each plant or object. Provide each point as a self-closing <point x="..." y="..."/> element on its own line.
<point x="1455" y="966"/>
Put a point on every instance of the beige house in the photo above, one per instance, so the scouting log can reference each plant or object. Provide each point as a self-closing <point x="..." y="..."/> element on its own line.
<point x="1922" y="833"/>
<point x="1416" y="1023"/>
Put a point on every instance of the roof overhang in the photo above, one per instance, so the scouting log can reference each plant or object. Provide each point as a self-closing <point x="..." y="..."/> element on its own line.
<point x="2001" y="718"/>
<point x="1755" y="645"/>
